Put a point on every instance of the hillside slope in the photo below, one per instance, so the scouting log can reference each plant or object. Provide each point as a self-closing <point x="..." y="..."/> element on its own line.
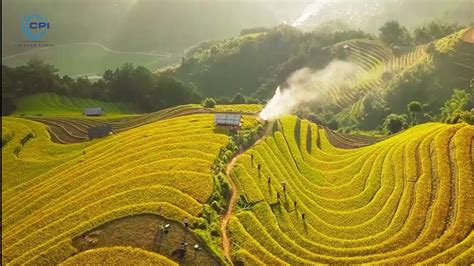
<point x="407" y="199"/>
<point x="159" y="168"/>
<point x="27" y="151"/>
<point x="51" y="104"/>
<point x="66" y="130"/>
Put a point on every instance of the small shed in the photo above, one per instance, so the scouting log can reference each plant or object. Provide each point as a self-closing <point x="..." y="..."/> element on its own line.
<point x="94" y="111"/>
<point x="232" y="121"/>
<point x="99" y="131"/>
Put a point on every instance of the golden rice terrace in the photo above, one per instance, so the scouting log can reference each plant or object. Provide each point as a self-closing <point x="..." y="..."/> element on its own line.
<point x="407" y="199"/>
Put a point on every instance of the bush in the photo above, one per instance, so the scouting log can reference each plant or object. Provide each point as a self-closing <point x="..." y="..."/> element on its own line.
<point x="216" y="206"/>
<point x="333" y="124"/>
<point x="215" y="230"/>
<point x="468" y="117"/>
<point x="238" y="99"/>
<point x="392" y="33"/>
<point x="454" y="107"/>
<point x="226" y="190"/>
<point x="394" y="123"/>
<point x="253" y="101"/>
<point x="209" y="103"/>
<point x="228" y="153"/>
<point x="415" y="107"/>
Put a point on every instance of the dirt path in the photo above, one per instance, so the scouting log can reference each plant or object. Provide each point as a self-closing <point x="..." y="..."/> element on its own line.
<point x="228" y="214"/>
<point x="233" y="198"/>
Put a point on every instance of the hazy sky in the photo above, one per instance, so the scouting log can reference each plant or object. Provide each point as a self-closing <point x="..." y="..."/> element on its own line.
<point x="173" y="25"/>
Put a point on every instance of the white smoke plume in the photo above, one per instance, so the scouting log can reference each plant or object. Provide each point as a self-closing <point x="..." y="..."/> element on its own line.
<point x="308" y="86"/>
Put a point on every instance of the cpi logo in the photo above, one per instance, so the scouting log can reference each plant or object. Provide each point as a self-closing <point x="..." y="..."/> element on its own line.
<point x="35" y="27"/>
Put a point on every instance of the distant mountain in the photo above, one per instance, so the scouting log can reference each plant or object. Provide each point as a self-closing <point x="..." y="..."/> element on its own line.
<point x="369" y="15"/>
<point x="174" y="25"/>
<point x="145" y="26"/>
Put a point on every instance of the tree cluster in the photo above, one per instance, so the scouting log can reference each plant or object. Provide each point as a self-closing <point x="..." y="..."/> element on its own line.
<point x="128" y="83"/>
<point x="254" y="65"/>
<point x="395" y="35"/>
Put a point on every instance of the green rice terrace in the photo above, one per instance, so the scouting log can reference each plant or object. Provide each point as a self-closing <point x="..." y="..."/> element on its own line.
<point x="50" y="104"/>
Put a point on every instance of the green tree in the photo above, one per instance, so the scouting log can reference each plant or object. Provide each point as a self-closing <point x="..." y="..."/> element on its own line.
<point x="333" y="124"/>
<point x="34" y="77"/>
<point x="238" y="99"/>
<point x="209" y="103"/>
<point x="414" y="108"/>
<point x="421" y="36"/>
<point x="454" y="107"/>
<point x="393" y="123"/>
<point x="82" y="88"/>
<point x="169" y="91"/>
<point x="393" y="34"/>
<point x="129" y="83"/>
<point x="434" y="31"/>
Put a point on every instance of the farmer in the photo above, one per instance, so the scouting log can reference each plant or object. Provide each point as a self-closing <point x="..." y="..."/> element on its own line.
<point x="302" y="216"/>
<point x="269" y="180"/>
<point x="295" y="203"/>
<point x="283" y="184"/>
<point x="278" y="196"/>
<point x="186" y="222"/>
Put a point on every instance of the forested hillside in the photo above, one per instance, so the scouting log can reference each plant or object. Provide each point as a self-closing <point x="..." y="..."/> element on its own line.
<point x="394" y="69"/>
<point x="390" y="71"/>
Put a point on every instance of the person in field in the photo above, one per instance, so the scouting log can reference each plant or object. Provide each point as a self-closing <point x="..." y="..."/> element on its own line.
<point x="186" y="222"/>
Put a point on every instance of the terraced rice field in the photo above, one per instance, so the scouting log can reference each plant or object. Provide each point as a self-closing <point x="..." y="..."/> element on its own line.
<point x="51" y="104"/>
<point x="461" y="53"/>
<point x="245" y="108"/>
<point x="74" y="130"/>
<point x="347" y="141"/>
<point x="376" y="64"/>
<point x="463" y="59"/>
<point x="118" y="256"/>
<point x="319" y="197"/>
<point x="406" y="199"/>
<point x="28" y="152"/>
<point x="162" y="165"/>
